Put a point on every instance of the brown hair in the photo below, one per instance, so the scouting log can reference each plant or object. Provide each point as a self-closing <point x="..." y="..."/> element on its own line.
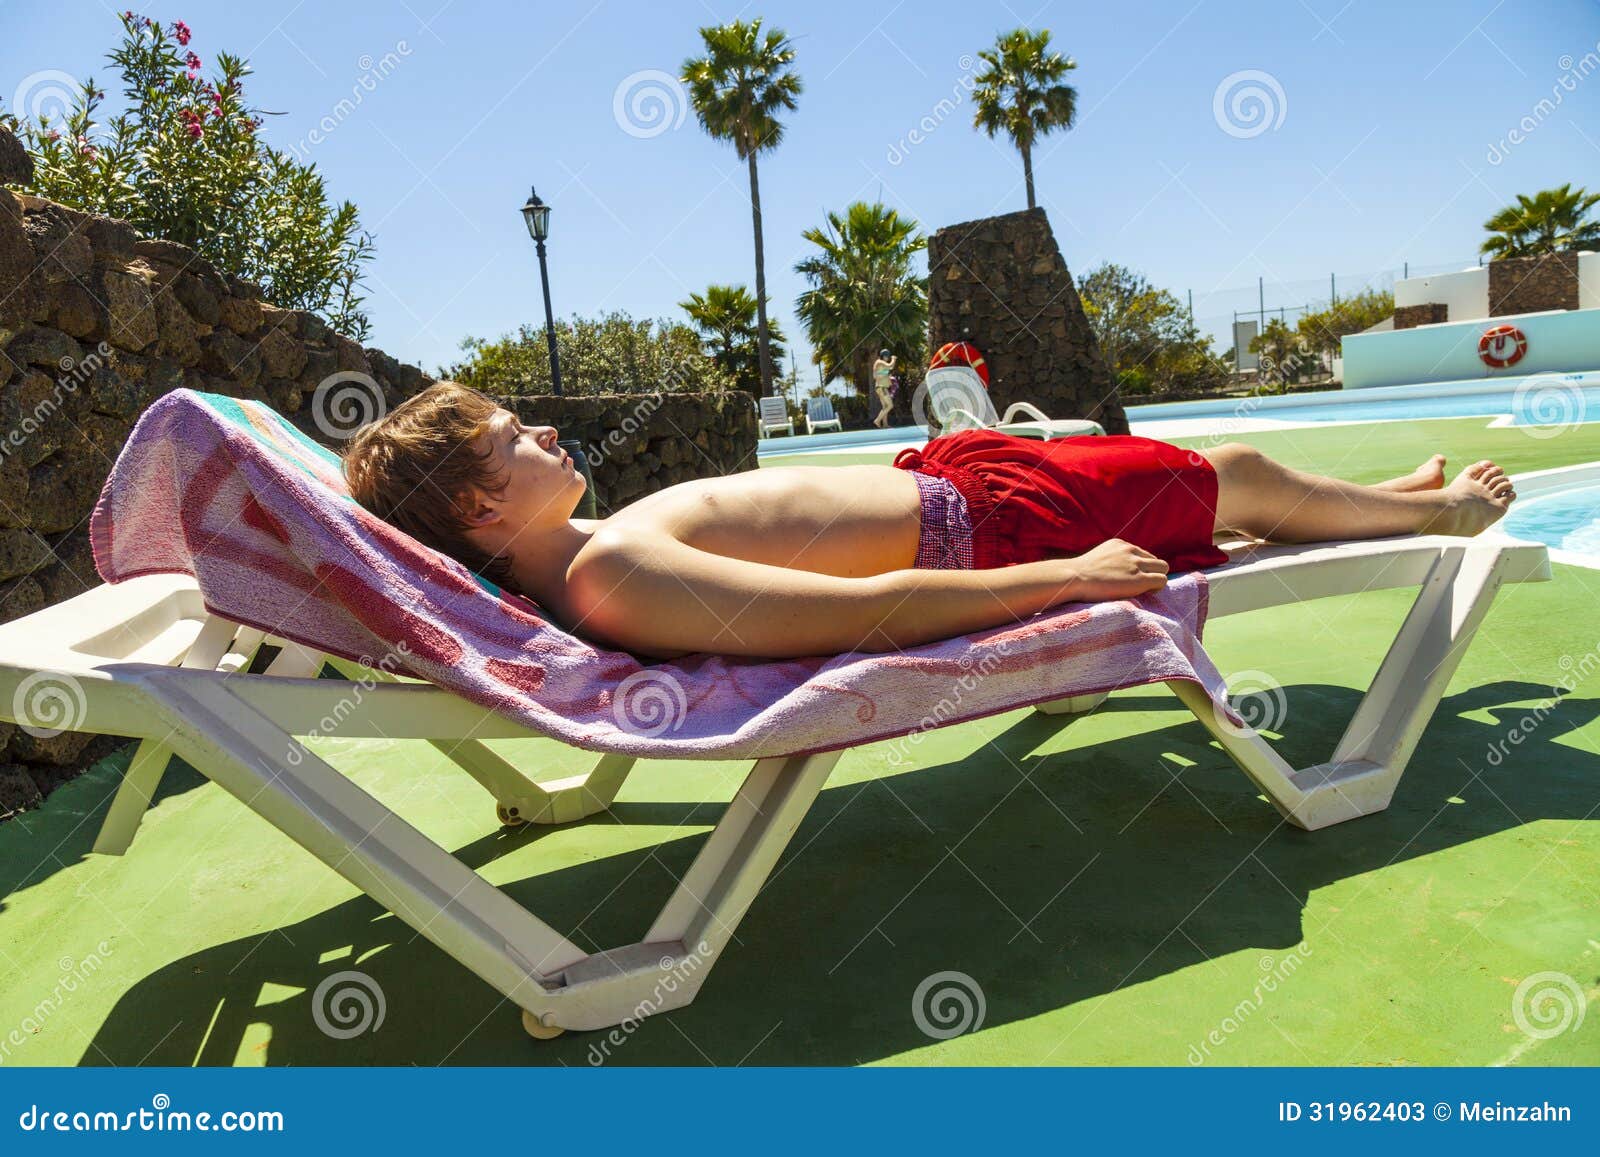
<point x="413" y="465"/>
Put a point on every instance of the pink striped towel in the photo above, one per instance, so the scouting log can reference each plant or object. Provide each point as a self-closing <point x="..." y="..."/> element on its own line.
<point x="228" y="491"/>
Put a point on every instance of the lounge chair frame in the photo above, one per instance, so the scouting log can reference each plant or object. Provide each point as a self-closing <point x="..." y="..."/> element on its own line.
<point x="145" y="659"/>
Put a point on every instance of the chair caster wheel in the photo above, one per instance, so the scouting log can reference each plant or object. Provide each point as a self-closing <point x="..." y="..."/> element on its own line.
<point x="508" y="816"/>
<point x="537" y="1029"/>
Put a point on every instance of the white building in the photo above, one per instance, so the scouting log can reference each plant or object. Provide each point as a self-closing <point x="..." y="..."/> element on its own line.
<point x="1472" y="342"/>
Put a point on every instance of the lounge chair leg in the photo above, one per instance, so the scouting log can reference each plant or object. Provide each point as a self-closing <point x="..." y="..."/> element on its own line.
<point x="520" y="800"/>
<point x="133" y="797"/>
<point x="666" y="969"/>
<point x="1366" y="766"/>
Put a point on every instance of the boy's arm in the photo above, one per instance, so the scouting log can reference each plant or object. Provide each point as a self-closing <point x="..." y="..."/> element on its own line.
<point x="656" y="596"/>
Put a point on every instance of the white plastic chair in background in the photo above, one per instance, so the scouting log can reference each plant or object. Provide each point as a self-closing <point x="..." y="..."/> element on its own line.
<point x="820" y="415"/>
<point x="774" y="415"/>
<point x="958" y="400"/>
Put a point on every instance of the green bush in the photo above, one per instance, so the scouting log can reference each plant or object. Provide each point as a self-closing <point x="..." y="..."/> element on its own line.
<point x="607" y="355"/>
<point x="183" y="163"/>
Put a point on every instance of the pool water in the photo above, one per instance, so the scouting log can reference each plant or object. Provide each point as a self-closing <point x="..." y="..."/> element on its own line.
<point x="1547" y="399"/>
<point x="1567" y="520"/>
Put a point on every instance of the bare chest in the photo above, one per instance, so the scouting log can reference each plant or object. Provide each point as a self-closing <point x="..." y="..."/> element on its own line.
<point x="848" y="520"/>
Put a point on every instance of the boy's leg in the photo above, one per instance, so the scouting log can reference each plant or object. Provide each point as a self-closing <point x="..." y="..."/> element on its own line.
<point x="1268" y="500"/>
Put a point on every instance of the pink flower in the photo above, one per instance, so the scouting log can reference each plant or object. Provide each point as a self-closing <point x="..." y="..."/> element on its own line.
<point x="192" y="61"/>
<point x="55" y="135"/>
<point x="182" y="32"/>
<point x="195" y="130"/>
<point x="192" y="74"/>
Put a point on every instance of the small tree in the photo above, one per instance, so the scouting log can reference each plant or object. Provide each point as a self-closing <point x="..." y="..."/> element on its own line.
<point x="183" y="162"/>
<point x="1551" y="221"/>
<point x="1020" y="93"/>
<point x="1321" y="330"/>
<point x="725" y="315"/>
<point x="864" y="292"/>
<point x="738" y="88"/>
<point x="1284" y="361"/>
<point x="1146" y="334"/>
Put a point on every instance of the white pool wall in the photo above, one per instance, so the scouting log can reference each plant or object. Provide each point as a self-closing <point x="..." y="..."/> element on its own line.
<point x="1559" y="341"/>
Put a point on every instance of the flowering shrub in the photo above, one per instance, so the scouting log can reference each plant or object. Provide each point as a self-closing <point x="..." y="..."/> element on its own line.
<point x="184" y="162"/>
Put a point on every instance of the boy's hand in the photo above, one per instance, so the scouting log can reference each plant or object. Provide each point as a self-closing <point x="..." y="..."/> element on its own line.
<point x="1114" y="570"/>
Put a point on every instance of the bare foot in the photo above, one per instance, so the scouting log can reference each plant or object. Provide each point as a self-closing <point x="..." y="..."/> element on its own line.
<point x="1476" y="500"/>
<point x="1428" y="476"/>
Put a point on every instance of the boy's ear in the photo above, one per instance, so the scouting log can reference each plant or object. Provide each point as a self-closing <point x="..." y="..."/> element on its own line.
<point x="476" y="510"/>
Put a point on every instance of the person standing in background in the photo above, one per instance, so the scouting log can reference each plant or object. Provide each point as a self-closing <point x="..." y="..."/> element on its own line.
<point x="881" y="370"/>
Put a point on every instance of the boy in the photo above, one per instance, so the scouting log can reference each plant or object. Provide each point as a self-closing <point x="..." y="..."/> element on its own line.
<point x="975" y="530"/>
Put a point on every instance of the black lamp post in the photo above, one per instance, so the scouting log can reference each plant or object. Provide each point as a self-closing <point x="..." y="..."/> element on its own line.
<point x="537" y="214"/>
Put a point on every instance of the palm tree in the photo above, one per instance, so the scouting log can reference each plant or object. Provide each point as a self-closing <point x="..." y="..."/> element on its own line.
<point x="865" y="294"/>
<point x="726" y="318"/>
<point x="1551" y="221"/>
<point x="1020" y="92"/>
<point x="738" y="87"/>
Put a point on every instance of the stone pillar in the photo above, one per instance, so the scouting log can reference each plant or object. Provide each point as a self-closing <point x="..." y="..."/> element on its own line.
<point x="1428" y="313"/>
<point x="1533" y="284"/>
<point x="1000" y="283"/>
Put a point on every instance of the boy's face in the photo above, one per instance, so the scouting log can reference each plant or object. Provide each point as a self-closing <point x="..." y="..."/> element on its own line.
<point x="542" y="486"/>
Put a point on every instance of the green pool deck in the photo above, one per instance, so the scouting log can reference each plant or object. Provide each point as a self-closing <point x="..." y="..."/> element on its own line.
<point x="1114" y="886"/>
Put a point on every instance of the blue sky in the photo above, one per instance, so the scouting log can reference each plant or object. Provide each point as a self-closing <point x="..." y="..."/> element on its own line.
<point x="1387" y="138"/>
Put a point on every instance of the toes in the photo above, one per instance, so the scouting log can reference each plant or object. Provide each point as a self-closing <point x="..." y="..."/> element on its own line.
<point x="1477" y="469"/>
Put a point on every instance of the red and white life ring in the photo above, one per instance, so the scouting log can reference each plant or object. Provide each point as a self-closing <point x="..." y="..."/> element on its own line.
<point x="1502" y="346"/>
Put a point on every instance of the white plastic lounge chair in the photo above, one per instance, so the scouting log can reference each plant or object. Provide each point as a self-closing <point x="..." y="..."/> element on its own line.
<point x="144" y="659"/>
<point x="773" y="415"/>
<point x="958" y="400"/>
<point x="820" y="415"/>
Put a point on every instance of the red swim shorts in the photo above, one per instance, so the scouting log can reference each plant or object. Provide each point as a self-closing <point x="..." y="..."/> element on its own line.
<point x="1030" y="499"/>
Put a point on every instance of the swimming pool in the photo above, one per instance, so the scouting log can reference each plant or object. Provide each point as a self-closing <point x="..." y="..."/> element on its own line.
<point x="1548" y="400"/>
<point x="1560" y="508"/>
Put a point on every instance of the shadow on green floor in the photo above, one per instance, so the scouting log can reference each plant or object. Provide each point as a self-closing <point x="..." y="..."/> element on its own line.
<point x="1050" y="878"/>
